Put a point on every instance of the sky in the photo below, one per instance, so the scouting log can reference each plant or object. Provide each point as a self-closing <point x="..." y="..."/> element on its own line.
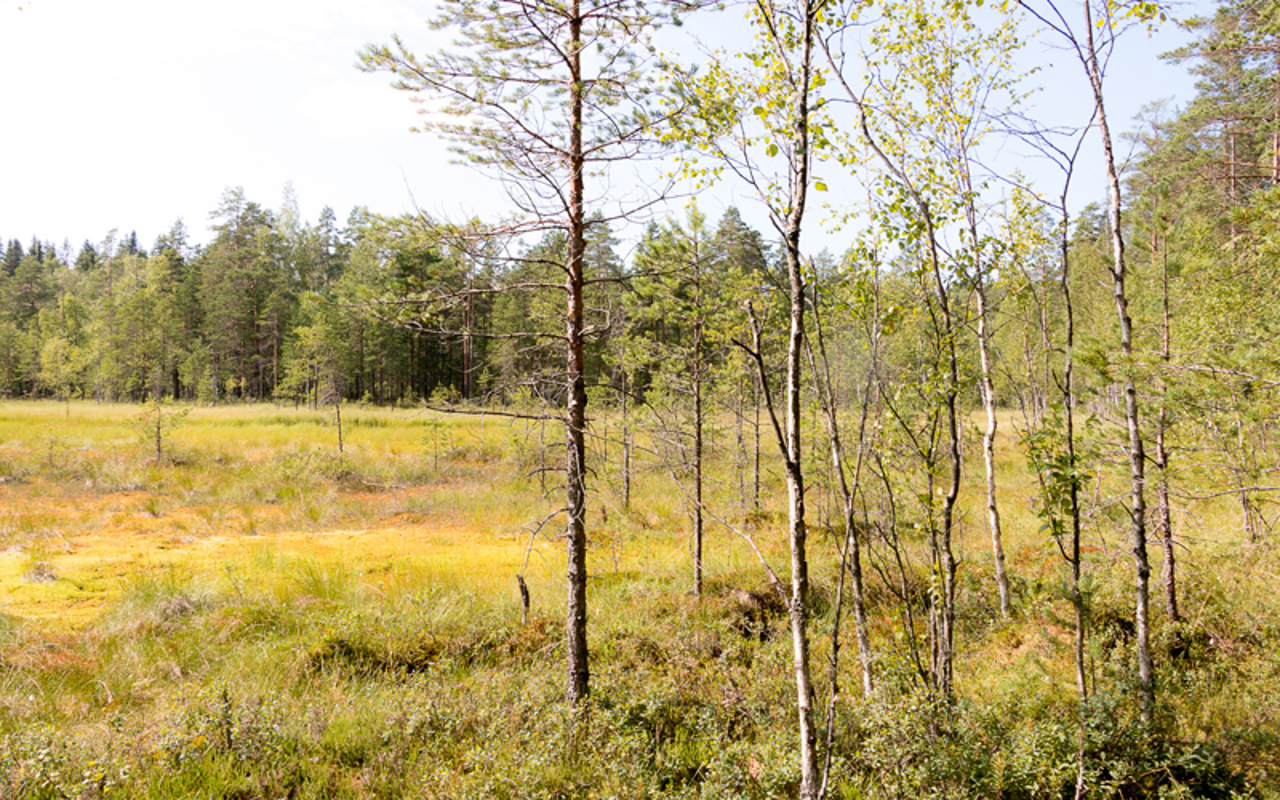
<point x="131" y="114"/>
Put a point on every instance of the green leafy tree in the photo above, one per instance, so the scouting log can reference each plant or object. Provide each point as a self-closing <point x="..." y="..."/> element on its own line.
<point x="1091" y="37"/>
<point x="87" y="260"/>
<point x="744" y="253"/>
<point x="61" y="367"/>
<point x="12" y="256"/>
<point x="156" y="422"/>
<point x="761" y="119"/>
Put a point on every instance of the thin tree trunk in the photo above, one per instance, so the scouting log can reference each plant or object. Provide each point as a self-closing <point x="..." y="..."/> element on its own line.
<point x="468" y="338"/>
<point x="1164" y="514"/>
<point x="988" y="440"/>
<point x="792" y="451"/>
<point x="697" y="471"/>
<point x="796" y="526"/>
<point x="699" y="376"/>
<point x="1073" y="489"/>
<point x="945" y="554"/>
<point x="337" y="416"/>
<point x="159" y="429"/>
<point x="756" y="388"/>
<point x="1137" y="456"/>
<point x="850" y="552"/>
<point x="1046" y="347"/>
<point x="626" y="444"/>
<point x="740" y="465"/>
<point x="575" y="473"/>
<point x="275" y="356"/>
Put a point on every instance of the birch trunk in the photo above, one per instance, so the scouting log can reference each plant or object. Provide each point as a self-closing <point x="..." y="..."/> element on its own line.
<point x="988" y="448"/>
<point x="1137" y="455"/>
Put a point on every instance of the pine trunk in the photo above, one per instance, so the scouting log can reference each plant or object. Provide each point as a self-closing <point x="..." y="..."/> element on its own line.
<point x="575" y="466"/>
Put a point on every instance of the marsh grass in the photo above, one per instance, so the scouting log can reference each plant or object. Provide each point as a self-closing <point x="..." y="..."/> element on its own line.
<point x="257" y="617"/>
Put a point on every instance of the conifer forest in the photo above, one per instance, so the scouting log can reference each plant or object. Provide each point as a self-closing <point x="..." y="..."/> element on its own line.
<point x="624" y="492"/>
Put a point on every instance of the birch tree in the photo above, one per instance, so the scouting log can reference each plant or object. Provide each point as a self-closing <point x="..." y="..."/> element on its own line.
<point x="1091" y="37"/>
<point x="934" y="79"/>
<point x="760" y="119"/>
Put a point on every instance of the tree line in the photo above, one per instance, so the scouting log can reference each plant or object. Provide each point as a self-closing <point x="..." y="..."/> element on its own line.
<point x="275" y="309"/>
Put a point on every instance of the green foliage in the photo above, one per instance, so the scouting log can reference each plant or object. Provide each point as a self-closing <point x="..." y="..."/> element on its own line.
<point x="156" y="423"/>
<point x="1025" y="746"/>
<point x="1061" y="472"/>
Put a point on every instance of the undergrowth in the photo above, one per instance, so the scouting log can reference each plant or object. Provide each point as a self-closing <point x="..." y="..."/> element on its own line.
<point x="312" y="691"/>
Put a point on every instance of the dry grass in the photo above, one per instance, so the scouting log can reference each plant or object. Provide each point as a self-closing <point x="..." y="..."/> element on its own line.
<point x="357" y="618"/>
<point x="438" y="498"/>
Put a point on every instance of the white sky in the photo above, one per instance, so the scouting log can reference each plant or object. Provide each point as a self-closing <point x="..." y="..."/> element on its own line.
<point x="130" y="114"/>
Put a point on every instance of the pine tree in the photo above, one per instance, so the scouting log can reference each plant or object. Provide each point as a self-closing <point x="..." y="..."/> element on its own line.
<point x="544" y="94"/>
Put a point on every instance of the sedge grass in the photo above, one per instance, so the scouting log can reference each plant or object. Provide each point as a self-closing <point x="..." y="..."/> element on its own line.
<point x="261" y="617"/>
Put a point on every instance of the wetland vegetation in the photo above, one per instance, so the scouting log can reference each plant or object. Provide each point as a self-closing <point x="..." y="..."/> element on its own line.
<point x="257" y="616"/>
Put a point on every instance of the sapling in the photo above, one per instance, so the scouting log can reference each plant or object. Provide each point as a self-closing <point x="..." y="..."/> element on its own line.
<point x="157" y="421"/>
